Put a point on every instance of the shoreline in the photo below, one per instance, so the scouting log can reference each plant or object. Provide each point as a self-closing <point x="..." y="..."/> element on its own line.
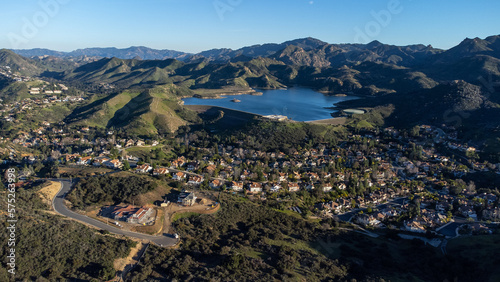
<point x="223" y="95"/>
<point x="255" y="92"/>
<point x="330" y="119"/>
<point x="204" y="108"/>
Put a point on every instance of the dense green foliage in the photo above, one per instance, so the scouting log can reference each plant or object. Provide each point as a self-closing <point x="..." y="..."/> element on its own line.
<point x="106" y="189"/>
<point x="250" y="242"/>
<point x="51" y="248"/>
<point x="244" y="242"/>
<point x="271" y="136"/>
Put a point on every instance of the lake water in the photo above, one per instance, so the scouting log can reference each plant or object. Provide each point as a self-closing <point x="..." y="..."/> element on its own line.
<point x="297" y="103"/>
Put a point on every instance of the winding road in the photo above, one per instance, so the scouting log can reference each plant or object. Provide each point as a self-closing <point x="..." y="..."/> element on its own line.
<point x="165" y="240"/>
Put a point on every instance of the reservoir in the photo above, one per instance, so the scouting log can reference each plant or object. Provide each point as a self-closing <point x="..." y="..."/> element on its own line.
<point x="297" y="103"/>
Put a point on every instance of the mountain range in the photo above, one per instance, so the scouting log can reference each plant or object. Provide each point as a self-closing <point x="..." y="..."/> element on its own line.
<point x="393" y="74"/>
<point x="329" y="54"/>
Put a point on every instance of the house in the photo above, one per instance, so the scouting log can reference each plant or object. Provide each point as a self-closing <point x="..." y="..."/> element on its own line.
<point x="192" y="166"/>
<point x="85" y="160"/>
<point x="468" y="211"/>
<point x="140" y="215"/>
<point x="237" y="186"/>
<point x="215" y="184"/>
<point x="275" y="188"/>
<point x="326" y="187"/>
<point x="144" y="168"/>
<point x="367" y="220"/>
<point x="415" y="226"/>
<point x="210" y="169"/>
<point x="132" y="214"/>
<point x="312" y="176"/>
<point x="114" y="164"/>
<point x="100" y="161"/>
<point x="130" y="143"/>
<point x="178" y="163"/>
<point x="255" y="187"/>
<point x="179" y="176"/>
<point x="342" y="186"/>
<point x="245" y="174"/>
<point x="186" y="198"/>
<point x="160" y="171"/>
<point x="492" y="214"/>
<point x="282" y="177"/>
<point x="293" y="187"/>
<point x="195" y="180"/>
<point x="443" y="206"/>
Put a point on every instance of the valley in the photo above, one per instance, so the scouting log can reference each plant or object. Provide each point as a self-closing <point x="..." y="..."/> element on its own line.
<point x="244" y="144"/>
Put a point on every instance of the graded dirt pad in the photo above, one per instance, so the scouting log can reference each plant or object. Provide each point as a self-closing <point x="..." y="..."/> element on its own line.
<point x="49" y="192"/>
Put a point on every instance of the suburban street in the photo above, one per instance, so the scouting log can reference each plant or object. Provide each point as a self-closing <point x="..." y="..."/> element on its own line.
<point x="165" y="240"/>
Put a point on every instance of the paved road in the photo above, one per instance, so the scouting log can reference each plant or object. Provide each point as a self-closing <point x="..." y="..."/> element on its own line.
<point x="164" y="240"/>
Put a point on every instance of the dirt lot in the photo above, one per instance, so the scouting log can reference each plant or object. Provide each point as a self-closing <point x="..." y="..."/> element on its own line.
<point x="49" y="192"/>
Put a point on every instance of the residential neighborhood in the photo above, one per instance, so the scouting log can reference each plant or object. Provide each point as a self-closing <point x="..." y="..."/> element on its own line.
<point x="363" y="173"/>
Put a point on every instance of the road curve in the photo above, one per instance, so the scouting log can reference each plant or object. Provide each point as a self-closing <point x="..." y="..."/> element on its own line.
<point x="166" y="240"/>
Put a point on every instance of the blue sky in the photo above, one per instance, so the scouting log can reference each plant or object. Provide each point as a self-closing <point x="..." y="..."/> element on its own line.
<point x="196" y="25"/>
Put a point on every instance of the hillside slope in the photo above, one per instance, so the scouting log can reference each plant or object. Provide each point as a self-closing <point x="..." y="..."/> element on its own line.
<point x="142" y="112"/>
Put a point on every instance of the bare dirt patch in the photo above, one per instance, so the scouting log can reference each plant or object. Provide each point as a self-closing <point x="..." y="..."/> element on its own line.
<point x="120" y="263"/>
<point x="49" y="192"/>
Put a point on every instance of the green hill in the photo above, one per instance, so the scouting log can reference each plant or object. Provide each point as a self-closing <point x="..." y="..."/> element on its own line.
<point x="141" y="112"/>
<point x="18" y="64"/>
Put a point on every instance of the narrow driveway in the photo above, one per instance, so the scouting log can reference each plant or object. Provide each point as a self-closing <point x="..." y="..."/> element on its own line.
<point x="164" y="240"/>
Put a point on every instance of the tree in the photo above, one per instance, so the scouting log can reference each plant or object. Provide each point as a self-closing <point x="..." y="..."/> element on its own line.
<point x="126" y="165"/>
<point x="415" y="131"/>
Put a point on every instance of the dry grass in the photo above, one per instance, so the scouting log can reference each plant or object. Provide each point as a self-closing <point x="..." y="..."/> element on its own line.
<point x="83" y="171"/>
<point x="49" y="192"/>
<point x="120" y="263"/>
<point x="151" y="197"/>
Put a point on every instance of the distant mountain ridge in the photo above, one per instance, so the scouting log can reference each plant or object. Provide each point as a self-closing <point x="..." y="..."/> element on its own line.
<point x="341" y="67"/>
<point x="145" y="53"/>
<point x="141" y="52"/>
<point x="324" y="52"/>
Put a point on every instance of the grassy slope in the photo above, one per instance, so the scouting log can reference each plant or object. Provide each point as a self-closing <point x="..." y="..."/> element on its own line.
<point x="142" y="112"/>
<point x="108" y="110"/>
<point x="483" y="249"/>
